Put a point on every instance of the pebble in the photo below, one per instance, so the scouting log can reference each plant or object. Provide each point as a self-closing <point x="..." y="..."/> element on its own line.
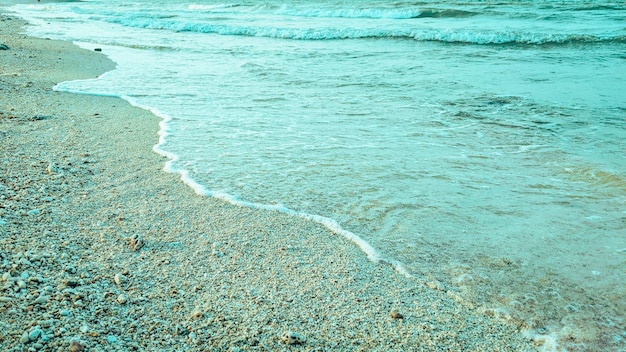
<point x="52" y="168"/>
<point x="292" y="338"/>
<point x="120" y="279"/>
<point x="111" y="339"/>
<point x="71" y="282"/>
<point x="135" y="242"/>
<point x="197" y="314"/>
<point x="34" y="212"/>
<point x="121" y="299"/>
<point x="25" y="338"/>
<point x="42" y="299"/>
<point x="76" y="347"/>
<point x="396" y="315"/>
<point x="64" y="312"/>
<point x="46" y="323"/>
<point x="34" y="334"/>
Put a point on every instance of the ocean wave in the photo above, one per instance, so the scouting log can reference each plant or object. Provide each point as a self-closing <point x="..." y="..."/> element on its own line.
<point x="376" y="13"/>
<point x="402" y="13"/>
<point x="372" y="13"/>
<point x="214" y="7"/>
<point x="461" y="36"/>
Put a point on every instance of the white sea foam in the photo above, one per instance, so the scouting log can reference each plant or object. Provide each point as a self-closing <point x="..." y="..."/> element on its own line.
<point x="461" y="35"/>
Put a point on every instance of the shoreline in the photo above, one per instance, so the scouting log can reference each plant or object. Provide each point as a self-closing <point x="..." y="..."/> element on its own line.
<point x="102" y="249"/>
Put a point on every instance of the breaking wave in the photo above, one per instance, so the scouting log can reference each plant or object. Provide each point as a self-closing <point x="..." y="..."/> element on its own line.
<point x="465" y="36"/>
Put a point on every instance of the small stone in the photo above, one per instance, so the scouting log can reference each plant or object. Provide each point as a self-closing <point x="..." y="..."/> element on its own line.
<point x="37" y="346"/>
<point x="21" y="284"/>
<point x="52" y="169"/>
<point x="34" y="334"/>
<point x="111" y="339"/>
<point x="24" y="338"/>
<point x="197" y="314"/>
<point x="4" y="47"/>
<point x="42" y="299"/>
<point x="292" y="338"/>
<point x="135" y="242"/>
<point x="4" y="299"/>
<point x="46" y="323"/>
<point x="120" y="279"/>
<point x="76" y="347"/>
<point x="40" y="117"/>
<point x="84" y="329"/>
<point x="64" y="312"/>
<point x="34" y="212"/>
<point x="98" y="49"/>
<point x="396" y="315"/>
<point x="121" y="299"/>
<point x="71" y="282"/>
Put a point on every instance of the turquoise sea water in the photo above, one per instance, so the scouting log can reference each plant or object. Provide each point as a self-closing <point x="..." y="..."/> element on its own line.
<point x="480" y="144"/>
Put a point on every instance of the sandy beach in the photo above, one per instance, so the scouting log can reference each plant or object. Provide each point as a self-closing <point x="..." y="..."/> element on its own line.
<point x="101" y="250"/>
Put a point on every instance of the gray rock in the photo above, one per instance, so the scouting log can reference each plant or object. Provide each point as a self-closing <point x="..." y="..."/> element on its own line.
<point x="4" y="47"/>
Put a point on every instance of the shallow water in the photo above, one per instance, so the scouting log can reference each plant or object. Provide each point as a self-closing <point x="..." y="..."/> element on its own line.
<point x="480" y="145"/>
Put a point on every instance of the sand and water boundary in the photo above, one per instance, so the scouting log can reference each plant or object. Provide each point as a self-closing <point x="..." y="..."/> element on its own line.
<point x="102" y="250"/>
